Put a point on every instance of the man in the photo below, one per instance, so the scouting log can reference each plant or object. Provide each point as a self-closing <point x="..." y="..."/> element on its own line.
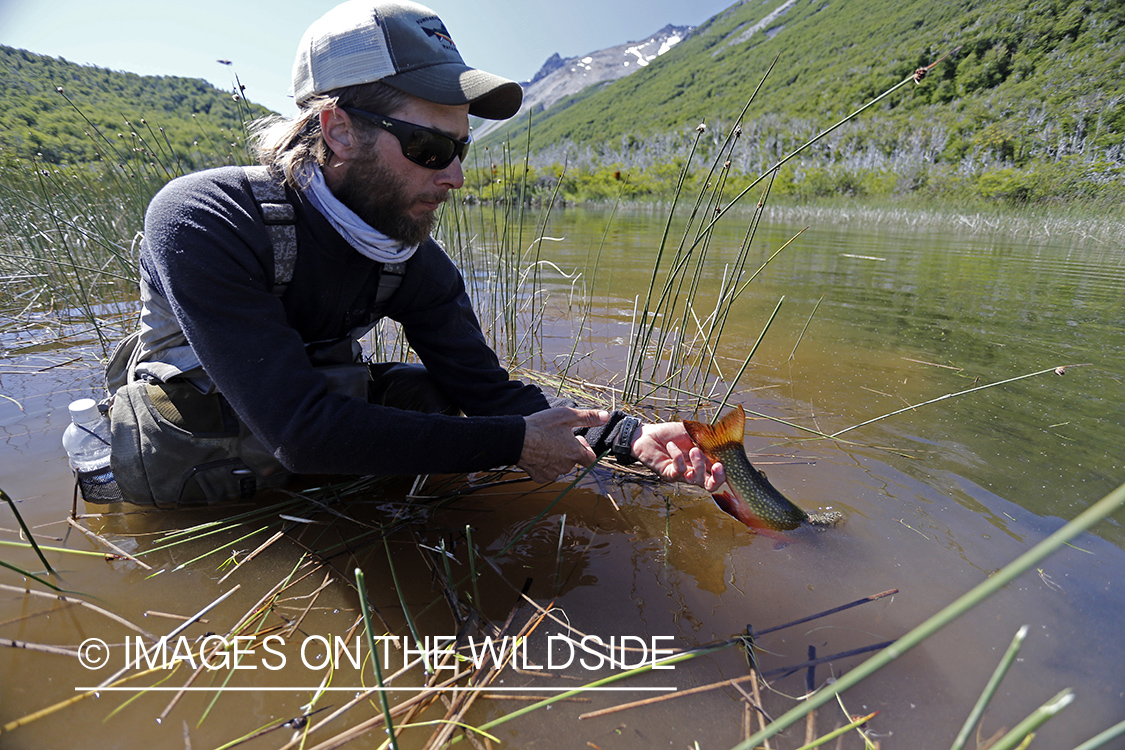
<point x="384" y="100"/>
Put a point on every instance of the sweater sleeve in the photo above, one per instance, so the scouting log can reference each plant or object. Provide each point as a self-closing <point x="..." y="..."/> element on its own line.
<point x="439" y="322"/>
<point x="209" y="255"/>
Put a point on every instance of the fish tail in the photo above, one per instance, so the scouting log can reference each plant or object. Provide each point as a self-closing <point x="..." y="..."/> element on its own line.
<point x="728" y="432"/>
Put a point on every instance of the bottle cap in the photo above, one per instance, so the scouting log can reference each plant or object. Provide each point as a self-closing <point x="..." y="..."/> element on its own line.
<point x="84" y="410"/>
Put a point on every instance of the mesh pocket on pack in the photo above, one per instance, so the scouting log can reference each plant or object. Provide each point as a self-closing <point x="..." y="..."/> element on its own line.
<point x="99" y="486"/>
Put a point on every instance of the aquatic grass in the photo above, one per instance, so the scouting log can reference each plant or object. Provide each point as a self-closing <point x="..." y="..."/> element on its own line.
<point x="647" y="343"/>
<point x="405" y="609"/>
<point x="643" y="337"/>
<point x="1117" y="730"/>
<point x="27" y="532"/>
<point x="57" y="597"/>
<point x="835" y="733"/>
<point x="753" y="349"/>
<point x="117" y="551"/>
<point x="49" y="548"/>
<point x="67" y="703"/>
<point x="28" y="574"/>
<point x="502" y="276"/>
<point x="1056" y="370"/>
<point x="989" y="690"/>
<point x="68" y="232"/>
<point x="473" y="573"/>
<point x="1022" y="733"/>
<point x="361" y="588"/>
<point x="665" y="662"/>
<point x="116" y="680"/>
<point x="725" y="299"/>
<point x="1041" y="551"/>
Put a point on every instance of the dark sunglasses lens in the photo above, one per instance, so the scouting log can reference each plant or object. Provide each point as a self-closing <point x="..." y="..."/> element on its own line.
<point x="431" y="149"/>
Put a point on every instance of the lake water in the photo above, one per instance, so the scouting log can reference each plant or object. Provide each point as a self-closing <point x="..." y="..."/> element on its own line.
<point x="876" y="317"/>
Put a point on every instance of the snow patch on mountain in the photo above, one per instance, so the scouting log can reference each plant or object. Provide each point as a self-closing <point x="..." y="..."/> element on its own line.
<point x="561" y="77"/>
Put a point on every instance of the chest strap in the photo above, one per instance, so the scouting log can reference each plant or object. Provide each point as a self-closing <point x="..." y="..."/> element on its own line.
<point x="280" y="220"/>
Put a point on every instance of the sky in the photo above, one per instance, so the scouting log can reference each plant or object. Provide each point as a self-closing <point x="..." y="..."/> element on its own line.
<point x="512" y="38"/>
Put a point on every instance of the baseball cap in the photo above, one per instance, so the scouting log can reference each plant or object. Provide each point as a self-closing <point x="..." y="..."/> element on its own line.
<point x="402" y="44"/>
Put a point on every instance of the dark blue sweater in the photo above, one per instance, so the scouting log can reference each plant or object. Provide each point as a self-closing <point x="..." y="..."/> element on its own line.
<point x="206" y="251"/>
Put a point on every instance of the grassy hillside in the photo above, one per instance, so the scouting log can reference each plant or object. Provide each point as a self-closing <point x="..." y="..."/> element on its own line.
<point x="180" y="121"/>
<point x="1033" y="96"/>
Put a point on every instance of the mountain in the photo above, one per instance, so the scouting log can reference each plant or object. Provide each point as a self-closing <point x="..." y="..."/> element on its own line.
<point x="560" y="77"/>
<point x="59" y="112"/>
<point x="1025" y="82"/>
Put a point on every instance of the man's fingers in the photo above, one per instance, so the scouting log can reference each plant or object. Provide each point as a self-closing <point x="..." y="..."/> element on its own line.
<point x="676" y="465"/>
<point x="550" y="447"/>
<point x="697" y="474"/>
<point x="589" y="417"/>
<point x="588" y="457"/>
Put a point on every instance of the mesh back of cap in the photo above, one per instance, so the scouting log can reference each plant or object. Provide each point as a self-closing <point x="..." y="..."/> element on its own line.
<point x="344" y="47"/>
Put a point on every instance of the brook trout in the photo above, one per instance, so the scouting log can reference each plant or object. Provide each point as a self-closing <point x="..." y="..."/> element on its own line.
<point x="752" y="499"/>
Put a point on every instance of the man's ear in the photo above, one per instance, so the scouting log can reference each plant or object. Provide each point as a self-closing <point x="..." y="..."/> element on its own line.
<point x="340" y="134"/>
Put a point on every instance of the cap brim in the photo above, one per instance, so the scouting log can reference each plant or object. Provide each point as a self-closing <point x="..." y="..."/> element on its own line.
<point x="488" y="96"/>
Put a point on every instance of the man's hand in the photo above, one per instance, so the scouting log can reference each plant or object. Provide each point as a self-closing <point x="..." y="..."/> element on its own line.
<point x="667" y="449"/>
<point x="550" y="448"/>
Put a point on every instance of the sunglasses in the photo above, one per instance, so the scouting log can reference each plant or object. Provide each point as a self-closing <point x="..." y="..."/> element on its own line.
<point x="423" y="146"/>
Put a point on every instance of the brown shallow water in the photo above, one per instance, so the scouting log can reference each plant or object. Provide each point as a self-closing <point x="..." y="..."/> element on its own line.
<point x="937" y="499"/>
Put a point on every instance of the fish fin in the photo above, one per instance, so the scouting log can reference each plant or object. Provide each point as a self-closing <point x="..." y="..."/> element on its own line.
<point x="735" y="507"/>
<point x="727" y="432"/>
<point x="729" y="504"/>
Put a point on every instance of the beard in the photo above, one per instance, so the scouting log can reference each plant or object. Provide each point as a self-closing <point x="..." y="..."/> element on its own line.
<point x="379" y="197"/>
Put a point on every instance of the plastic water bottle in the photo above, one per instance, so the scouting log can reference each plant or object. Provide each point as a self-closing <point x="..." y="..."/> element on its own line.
<point x="87" y="444"/>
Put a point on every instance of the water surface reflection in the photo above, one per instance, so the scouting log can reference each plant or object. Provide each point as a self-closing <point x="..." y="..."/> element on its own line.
<point x="937" y="499"/>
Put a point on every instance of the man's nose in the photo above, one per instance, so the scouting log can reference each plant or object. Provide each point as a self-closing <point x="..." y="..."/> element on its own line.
<point x="452" y="176"/>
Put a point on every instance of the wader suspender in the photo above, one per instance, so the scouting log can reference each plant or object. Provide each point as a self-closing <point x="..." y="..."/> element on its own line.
<point x="280" y="218"/>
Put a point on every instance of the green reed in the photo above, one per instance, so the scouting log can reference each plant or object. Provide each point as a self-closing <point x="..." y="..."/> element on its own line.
<point x="69" y="233"/>
<point x="671" y="344"/>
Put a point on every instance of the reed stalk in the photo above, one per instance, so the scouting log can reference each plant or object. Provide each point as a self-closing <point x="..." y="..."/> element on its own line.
<point x="838" y="732"/>
<point x="405" y="609"/>
<point x="361" y="588"/>
<point x="473" y="566"/>
<point x="753" y="349"/>
<point x="30" y="575"/>
<point x="80" y="603"/>
<point x="27" y="532"/>
<point x="643" y="344"/>
<point x="48" y="548"/>
<point x="676" y="659"/>
<point x="989" y="689"/>
<point x="1117" y="730"/>
<point x="947" y="396"/>
<point x="1021" y="733"/>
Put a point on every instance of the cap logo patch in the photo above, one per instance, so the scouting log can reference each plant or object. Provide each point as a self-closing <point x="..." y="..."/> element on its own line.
<point x="435" y="29"/>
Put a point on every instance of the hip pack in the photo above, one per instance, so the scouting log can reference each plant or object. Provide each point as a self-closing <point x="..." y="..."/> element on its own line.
<point x="174" y="446"/>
